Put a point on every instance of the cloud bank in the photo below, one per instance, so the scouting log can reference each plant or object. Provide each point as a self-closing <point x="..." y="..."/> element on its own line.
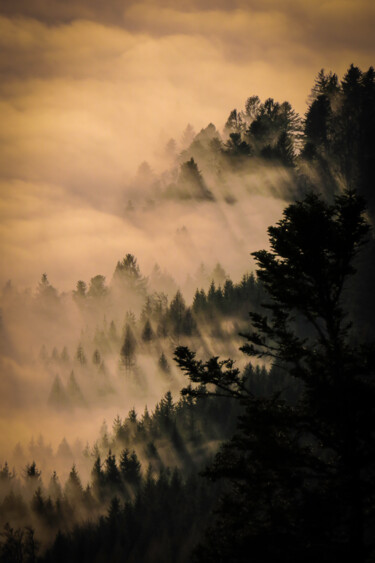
<point x="90" y="89"/>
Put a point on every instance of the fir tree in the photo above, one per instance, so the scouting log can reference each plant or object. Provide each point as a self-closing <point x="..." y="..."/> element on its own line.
<point x="128" y="349"/>
<point x="299" y="470"/>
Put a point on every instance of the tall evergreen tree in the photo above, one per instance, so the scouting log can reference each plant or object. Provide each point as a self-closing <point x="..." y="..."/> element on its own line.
<point x="73" y="489"/>
<point x="128" y="348"/>
<point x="147" y="332"/>
<point x="97" y="289"/>
<point x="191" y="183"/>
<point x="300" y="471"/>
<point x="128" y="275"/>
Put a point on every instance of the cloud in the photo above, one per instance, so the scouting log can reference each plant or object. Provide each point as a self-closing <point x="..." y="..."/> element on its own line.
<point x="315" y="24"/>
<point x="89" y="90"/>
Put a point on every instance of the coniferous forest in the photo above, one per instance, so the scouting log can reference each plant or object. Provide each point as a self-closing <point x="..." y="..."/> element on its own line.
<point x="245" y="425"/>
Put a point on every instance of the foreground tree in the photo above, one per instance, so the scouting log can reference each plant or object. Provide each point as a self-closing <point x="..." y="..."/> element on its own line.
<point x="300" y="468"/>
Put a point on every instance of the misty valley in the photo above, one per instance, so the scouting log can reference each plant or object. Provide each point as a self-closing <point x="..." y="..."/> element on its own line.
<point x="219" y="403"/>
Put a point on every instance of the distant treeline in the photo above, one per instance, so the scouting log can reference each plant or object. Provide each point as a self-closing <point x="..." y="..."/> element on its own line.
<point x="147" y="463"/>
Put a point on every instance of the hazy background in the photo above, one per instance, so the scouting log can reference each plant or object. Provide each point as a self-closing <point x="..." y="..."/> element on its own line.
<point x="88" y="91"/>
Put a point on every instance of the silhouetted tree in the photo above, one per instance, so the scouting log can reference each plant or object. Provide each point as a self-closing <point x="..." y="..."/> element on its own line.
<point x="97" y="289"/>
<point x="112" y="473"/>
<point x="130" y="468"/>
<point x="73" y="489"/>
<point x="147" y="332"/>
<point x="233" y="123"/>
<point x="18" y="546"/>
<point x="128" y="275"/>
<point x="191" y="183"/>
<point x="98" y="479"/>
<point x="177" y="311"/>
<point x="252" y="107"/>
<point x="163" y="364"/>
<point x="128" y="348"/>
<point x="54" y="487"/>
<point x="299" y="471"/>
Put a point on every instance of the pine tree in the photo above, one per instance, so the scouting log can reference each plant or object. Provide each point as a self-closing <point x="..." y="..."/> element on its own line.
<point x="97" y="289"/>
<point x="176" y="313"/>
<point x="81" y="290"/>
<point x="46" y="291"/>
<point x="147" y="332"/>
<point x="299" y="471"/>
<point x="130" y="467"/>
<point x="54" y="487"/>
<point x="164" y="364"/>
<point x="128" y="275"/>
<point x="73" y="489"/>
<point x="252" y="107"/>
<point x="98" y="479"/>
<point x="112" y="473"/>
<point x="128" y="349"/>
<point x="191" y="182"/>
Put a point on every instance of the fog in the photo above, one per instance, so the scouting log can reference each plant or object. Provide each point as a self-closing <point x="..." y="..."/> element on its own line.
<point x="114" y="142"/>
<point x="90" y="92"/>
<point x="70" y="233"/>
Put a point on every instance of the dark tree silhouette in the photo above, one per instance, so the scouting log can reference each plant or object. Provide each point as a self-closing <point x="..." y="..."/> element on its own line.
<point x="300" y="472"/>
<point x="191" y="183"/>
<point x="234" y="122"/>
<point x="128" y="348"/>
<point x="147" y="332"/>
<point x="164" y="364"/>
<point x="54" y="487"/>
<point x="130" y="468"/>
<point x="18" y="546"/>
<point x="73" y="489"/>
<point x="340" y="129"/>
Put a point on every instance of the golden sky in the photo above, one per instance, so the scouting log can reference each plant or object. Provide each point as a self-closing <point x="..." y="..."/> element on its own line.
<point x="89" y="89"/>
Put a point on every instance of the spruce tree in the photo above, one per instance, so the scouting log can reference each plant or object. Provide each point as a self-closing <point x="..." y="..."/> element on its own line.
<point x="299" y="471"/>
<point x="128" y="349"/>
